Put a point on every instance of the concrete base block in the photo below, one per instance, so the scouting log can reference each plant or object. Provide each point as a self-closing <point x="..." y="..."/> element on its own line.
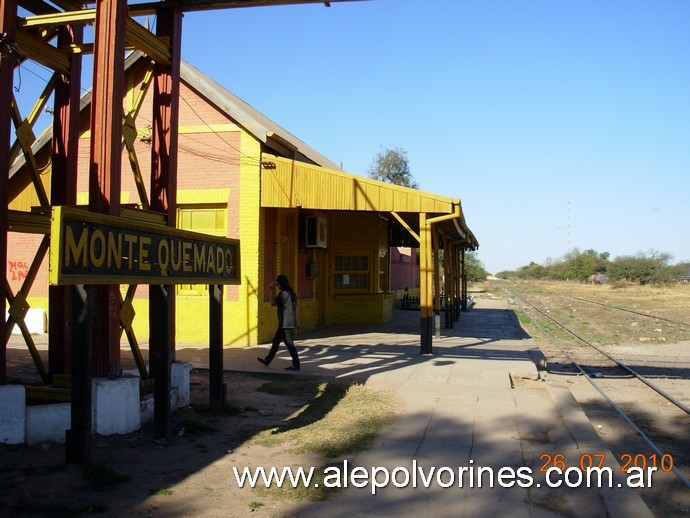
<point x="36" y="321"/>
<point x="47" y="423"/>
<point x="146" y="408"/>
<point x="174" y="399"/>
<point x="13" y="412"/>
<point x="115" y="405"/>
<point x="179" y="382"/>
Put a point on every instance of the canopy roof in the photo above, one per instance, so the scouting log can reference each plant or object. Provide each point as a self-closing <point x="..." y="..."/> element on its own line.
<point x="289" y="183"/>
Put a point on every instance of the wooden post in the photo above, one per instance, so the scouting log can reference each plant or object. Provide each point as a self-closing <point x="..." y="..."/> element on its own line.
<point x="436" y="272"/>
<point x="215" y="352"/>
<point x="105" y="164"/>
<point x="78" y="437"/>
<point x="163" y="199"/>
<point x="449" y="278"/>
<point x="8" y="24"/>
<point x="463" y="283"/>
<point x="425" y="285"/>
<point x="63" y="191"/>
<point x="456" y="285"/>
<point x="160" y="356"/>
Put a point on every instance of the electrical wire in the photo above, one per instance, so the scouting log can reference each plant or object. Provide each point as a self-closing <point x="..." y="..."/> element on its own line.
<point x="251" y="159"/>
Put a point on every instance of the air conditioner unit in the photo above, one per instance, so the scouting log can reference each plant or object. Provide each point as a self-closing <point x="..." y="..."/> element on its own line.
<point x="317" y="232"/>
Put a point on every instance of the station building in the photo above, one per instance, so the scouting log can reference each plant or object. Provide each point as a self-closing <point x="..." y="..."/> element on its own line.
<point x="240" y="175"/>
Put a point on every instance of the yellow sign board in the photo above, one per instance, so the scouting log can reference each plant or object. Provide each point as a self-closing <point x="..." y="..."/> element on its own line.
<point x="91" y="248"/>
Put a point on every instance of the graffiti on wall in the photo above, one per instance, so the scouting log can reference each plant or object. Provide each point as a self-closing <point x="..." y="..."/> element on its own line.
<point x="17" y="270"/>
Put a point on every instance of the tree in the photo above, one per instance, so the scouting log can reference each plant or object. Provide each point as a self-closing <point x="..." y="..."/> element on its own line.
<point x="532" y="271"/>
<point x="581" y="265"/>
<point x="474" y="269"/>
<point x="391" y="166"/>
<point x="648" y="268"/>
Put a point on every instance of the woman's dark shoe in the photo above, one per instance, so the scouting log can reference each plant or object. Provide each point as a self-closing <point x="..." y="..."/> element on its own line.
<point x="291" y="368"/>
<point x="261" y="360"/>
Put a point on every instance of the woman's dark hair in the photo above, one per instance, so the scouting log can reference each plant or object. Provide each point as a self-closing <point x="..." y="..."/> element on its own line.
<point x="284" y="284"/>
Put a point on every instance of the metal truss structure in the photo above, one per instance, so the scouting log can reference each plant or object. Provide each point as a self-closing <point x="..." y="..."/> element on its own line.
<point x="86" y="323"/>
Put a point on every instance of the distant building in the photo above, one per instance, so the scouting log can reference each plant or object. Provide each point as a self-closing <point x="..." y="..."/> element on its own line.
<point x="685" y="278"/>
<point x="598" y="278"/>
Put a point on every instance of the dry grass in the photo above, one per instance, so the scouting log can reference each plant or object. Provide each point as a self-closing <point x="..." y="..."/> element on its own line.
<point x="339" y="420"/>
<point x="668" y="307"/>
<point x="351" y="418"/>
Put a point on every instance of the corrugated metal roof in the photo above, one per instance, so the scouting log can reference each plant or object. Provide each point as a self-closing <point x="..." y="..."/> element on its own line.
<point x="289" y="183"/>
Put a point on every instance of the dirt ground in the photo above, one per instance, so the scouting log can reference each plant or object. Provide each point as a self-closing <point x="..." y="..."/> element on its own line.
<point x="189" y="476"/>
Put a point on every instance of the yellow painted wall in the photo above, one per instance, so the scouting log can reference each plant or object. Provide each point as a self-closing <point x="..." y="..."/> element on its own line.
<point x="241" y="303"/>
<point x="241" y="317"/>
<point x="358" y="233"/>
<point x="285" y="262"/>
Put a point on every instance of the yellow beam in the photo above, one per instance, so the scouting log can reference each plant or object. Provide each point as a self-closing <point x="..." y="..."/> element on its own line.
<point x="137" y="35"/>
<point x="404" y="224"/>
<point x="446" y="217"/>
<point x="139" y="101"/>
<point x="36" y="49"/>
<point x="82" y="48"/>
<point x="26" y="138"/>
<point x="81" y="16"/>
<point x="129" y="135"/>
<point x="184" y="130"/>
<point x="41" y="101"/>
<point x="153" y="46"/>
<point x="208" y="128"/>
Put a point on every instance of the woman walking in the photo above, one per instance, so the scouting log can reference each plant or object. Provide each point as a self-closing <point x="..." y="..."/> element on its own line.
<point x="286" y="301"/>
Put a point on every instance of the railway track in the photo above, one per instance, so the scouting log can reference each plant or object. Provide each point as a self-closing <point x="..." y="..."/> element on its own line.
<point x="610" y="375"/>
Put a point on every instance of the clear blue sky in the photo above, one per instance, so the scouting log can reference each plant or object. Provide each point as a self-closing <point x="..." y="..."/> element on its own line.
<point x="559" y="124"/>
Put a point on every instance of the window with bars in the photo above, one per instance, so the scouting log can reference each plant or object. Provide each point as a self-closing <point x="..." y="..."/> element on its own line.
<point x="351" y="273"/>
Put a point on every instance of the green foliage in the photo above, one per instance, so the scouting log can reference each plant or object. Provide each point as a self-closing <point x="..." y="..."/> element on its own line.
<point x="531" y="271"/>
<point x="680" y="270"/>
<point x="644" y="268"/>
<point x="392" y="166"/>
<point x="582" y="265"/>
<point x="162" y="492"/>
<point x="474" y="268"/>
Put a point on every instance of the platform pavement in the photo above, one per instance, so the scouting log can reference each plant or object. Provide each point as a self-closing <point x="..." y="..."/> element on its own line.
<point x="477" y="401"/>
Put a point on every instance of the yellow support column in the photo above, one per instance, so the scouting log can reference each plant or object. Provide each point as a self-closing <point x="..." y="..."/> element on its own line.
<point x="425" y="284"/>
<point x="449" y="275"/>
<point x="463" y="280"/>
<point x="436" y="272"/>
